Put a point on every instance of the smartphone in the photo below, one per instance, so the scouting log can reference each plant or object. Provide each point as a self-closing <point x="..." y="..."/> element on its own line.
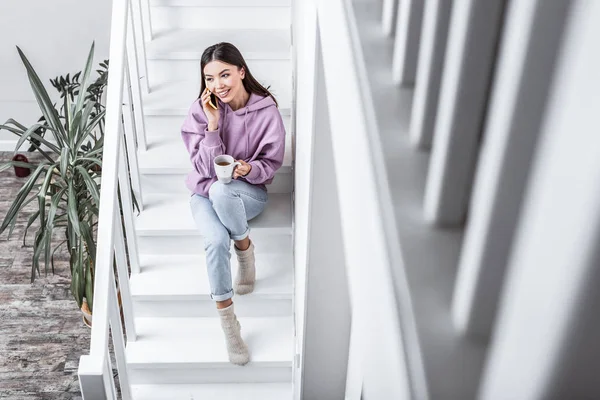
<point x="213" y="99"/>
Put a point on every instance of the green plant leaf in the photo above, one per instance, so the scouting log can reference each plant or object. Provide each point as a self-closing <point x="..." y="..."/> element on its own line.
<point x="84" y="82"/>
<point x="15" y="123"/>
<point x="64" y="162"/>
<point x="21" y="196"/>
<point x="91" y="185"/>
<point x="86" y="233"/>
<point x="89" y="129"/>
<point x="58" y="246"/>
<point x="43" y="99"/>
<point x="72" y="208"/>
<point x="30" y="221"/>
<point x="22" y="164"/>
<point x="89" y="285"/>
<point x="56" y="198"/>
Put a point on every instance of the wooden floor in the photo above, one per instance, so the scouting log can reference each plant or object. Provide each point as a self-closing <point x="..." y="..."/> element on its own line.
<point x="41" y="332"/>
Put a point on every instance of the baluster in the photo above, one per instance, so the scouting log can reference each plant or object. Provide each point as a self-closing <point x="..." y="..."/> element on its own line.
<point x="406" y="43"/>
<point x="130" y="130"/>
<point x="117" y="330"/>
<point x="131" y="65"/>
<point x="429" y="71"/>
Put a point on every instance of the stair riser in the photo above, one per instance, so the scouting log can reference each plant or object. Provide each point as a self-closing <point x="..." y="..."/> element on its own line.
<point x="175" y="183"/>
<point x="221" y="3"/>
<point x="166" y="244"/>
<point x="274" y="73"/>
<point x="192" y="374"/>
<point x="169" y="127"/>
<point x="167" y="18"/>
<point x="244" y="307"/>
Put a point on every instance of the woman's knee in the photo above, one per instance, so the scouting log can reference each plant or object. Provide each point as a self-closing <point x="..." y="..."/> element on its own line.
<point x="219" y="191"/>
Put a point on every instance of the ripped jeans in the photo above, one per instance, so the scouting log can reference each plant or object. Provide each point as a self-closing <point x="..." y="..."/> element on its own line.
<point x="223" y="217"/>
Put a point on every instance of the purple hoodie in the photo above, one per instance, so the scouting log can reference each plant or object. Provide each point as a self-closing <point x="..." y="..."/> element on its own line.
<point x="254" y="133"/>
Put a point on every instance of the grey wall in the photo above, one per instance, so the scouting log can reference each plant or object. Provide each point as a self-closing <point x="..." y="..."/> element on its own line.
<point x="55" y="36"/>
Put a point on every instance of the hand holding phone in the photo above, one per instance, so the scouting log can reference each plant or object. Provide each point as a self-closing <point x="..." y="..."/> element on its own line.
<point x="210" y="109"/>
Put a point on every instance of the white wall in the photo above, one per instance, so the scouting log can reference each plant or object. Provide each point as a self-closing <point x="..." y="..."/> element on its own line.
<point x="55" y="36"/>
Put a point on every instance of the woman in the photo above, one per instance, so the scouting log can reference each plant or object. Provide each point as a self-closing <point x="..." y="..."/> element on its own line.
<point x="247" y="125"/>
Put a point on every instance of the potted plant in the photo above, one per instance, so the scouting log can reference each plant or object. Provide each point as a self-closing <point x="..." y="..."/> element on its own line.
<point x="65" y="185"/>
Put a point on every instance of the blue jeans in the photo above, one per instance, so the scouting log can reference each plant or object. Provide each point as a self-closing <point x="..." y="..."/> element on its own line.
<point x="220" y="217"/>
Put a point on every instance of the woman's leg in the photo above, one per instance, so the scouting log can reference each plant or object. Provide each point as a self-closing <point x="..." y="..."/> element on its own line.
<point x="235" y="204"/>
<point x="216" y="245"/>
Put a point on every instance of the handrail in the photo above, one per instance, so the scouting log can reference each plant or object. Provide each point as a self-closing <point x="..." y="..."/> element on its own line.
<point x="95" y="371"/>
<point x="370" y="234"/>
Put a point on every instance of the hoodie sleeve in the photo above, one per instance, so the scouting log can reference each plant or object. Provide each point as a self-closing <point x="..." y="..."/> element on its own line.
<point x="202" y="145"/>
<point x="270" y="155"/>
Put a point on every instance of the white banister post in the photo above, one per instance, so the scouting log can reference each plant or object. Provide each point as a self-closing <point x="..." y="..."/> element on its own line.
<point x="528" y="56"/>
<point x="546" y="341"/>
<point x="135" y="23"/>
<point x="92" y="382"/>
<point x="388" y="20"/>
<point x="136" y="91"/>
<point x="474" y="30"/>
<point x="429" y="70"/>
<point x="407" y="41"/>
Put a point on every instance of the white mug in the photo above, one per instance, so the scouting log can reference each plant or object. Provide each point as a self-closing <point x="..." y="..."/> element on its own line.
<point x="224" y="166"/>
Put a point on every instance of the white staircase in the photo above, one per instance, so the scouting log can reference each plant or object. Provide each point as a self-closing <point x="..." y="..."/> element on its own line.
<point x="179" y="352"/>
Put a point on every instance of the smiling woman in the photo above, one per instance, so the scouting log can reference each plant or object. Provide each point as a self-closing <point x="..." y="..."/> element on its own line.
<point x="234" y="115"/>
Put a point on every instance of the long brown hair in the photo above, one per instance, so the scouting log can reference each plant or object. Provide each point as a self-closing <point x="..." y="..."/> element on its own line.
<point x="229" y="54"/>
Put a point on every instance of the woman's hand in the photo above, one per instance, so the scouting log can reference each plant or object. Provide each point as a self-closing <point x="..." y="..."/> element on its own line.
<point x="241" y="170"/>
<point x="211" y="114"/>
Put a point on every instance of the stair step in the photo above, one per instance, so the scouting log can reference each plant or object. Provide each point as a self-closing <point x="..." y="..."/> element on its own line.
<point x="214" y="17"/>
<point x="221" y="3"/>
<point x="170" y="215"/>
<point x="276" y="75"/>
<point x="192" y="350"/>
<point x="185" y="278"/>
<point x="169" y="126"/>
<point x="177" y="286"/>
<point x="176" y="98"/>
<point x="214" y="391"/>
<point x="188" y="44"/>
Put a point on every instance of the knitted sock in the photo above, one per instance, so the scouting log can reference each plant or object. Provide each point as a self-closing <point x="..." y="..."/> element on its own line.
<point x="236" y="348"/>
<point x="246" y="274"/>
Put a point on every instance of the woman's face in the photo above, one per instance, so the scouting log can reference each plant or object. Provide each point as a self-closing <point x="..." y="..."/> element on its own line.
<point x="224" y="80"/>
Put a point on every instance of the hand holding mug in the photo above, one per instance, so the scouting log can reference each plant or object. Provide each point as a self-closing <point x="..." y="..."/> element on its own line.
<point x="224" y="166"/>
<point x="241" y="170"/>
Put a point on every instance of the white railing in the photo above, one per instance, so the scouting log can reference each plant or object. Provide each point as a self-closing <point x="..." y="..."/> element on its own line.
<point x="383" y="332"/>
<point x="125" y="133"/>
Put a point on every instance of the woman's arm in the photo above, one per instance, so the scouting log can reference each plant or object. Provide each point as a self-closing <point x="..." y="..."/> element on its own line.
<point x="203" y="145"/>
<point x="270" y="157"/>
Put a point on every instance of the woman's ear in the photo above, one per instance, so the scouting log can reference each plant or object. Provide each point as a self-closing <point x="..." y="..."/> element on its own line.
<point x="242" y="72"/>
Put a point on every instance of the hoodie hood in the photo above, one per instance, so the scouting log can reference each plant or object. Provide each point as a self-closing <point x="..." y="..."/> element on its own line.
<point x="255" y="102"/>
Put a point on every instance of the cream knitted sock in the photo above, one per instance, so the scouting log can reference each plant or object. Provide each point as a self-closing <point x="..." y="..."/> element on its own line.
<point x="246" y="274"/>
<point x="236" y="348"/>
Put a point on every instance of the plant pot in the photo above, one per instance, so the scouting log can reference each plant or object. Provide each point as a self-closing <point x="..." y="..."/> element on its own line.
<point x="87" y="314"/>
<point x="21" y="172"/>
